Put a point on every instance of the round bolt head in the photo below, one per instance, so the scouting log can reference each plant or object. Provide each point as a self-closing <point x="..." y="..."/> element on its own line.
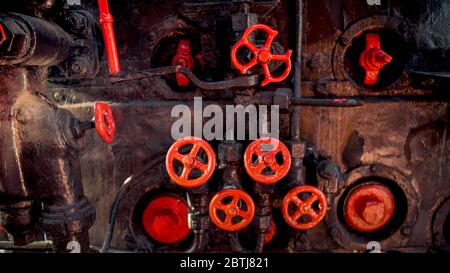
<point x="369" y="207"/>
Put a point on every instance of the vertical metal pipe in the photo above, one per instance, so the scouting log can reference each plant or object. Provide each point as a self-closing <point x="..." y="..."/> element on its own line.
<point x="198" y="217"/>
<point x="295" y="118"/>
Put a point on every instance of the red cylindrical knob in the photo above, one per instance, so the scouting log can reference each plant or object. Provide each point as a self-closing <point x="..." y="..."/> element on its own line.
<point x="184" y="58"/>
<point x="373" y="59"/>
<point x="106" y="22"/>
<point x="165" y="219"/>
<point x="369" y="207"/>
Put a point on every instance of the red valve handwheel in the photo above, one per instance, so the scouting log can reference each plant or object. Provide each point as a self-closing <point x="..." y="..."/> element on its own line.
<point x="183" y="58"/>
<point x="261" y="55"/>
<point x="373" y="59"/>
<point x="104" y="122"/>
<point x="165" y="219"/>
<point x="314" y="207"/>
<point x="190" y="161"/>
<point x="231" y="209"/>
<point x="258" y="169"/>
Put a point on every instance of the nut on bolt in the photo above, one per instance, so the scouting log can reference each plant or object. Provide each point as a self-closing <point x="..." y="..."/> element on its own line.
<point x="79" y="66"/>
<point x="76" y="22"/>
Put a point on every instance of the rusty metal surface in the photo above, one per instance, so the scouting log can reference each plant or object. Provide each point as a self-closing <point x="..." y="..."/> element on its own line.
<point x="413" y="140"/>
<point x="401" y="142"/>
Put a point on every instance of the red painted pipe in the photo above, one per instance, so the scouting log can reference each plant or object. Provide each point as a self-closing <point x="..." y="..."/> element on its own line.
<point x="106" y="21"/>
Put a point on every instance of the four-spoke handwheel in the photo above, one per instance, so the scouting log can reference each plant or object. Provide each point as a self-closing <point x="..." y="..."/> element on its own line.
<point x="195" y="170"/>
<point x="232" y="209"/>
<point x="304" y="207"/>
<point x="267" y="160"/>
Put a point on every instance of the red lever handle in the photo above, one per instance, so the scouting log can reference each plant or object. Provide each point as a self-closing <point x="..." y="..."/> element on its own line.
<point x="106" y="22"/>
<point x="104" y="122"/>
<point x="184" y="58"/>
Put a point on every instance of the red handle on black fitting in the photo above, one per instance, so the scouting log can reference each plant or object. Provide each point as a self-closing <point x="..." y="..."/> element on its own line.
<point x="106" y="22"/>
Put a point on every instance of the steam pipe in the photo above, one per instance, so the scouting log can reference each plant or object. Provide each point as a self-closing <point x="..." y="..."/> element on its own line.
<point x="27" y="40"/>
<point x="247" y="81"/>
<point x="263" y="213"/>
<point x="38" y="138"/>
<point x="260" y="242"/>
<point x="198" y="217"/>
<point x="199" y="243"/>
<point x="336" y="102"/>
<point x="295" y="118"/>
<point x="235" y="244"/>
<point x="106" y="21"/>
<point x="296" y="146"/>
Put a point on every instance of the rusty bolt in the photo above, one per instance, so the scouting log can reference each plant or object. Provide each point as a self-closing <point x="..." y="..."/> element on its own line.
<point x="406" y="230"/>
<point x="79" y="66"/>
<point x="76" y="22"/>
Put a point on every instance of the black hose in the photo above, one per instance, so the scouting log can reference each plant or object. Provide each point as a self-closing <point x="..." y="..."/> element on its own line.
<point x="129" y="181"/>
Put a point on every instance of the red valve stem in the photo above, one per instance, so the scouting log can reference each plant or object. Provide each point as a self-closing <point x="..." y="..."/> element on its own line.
<point x="373" y="59"/>
<point x="106" y="21"/>
<point x="184" y="58"/>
